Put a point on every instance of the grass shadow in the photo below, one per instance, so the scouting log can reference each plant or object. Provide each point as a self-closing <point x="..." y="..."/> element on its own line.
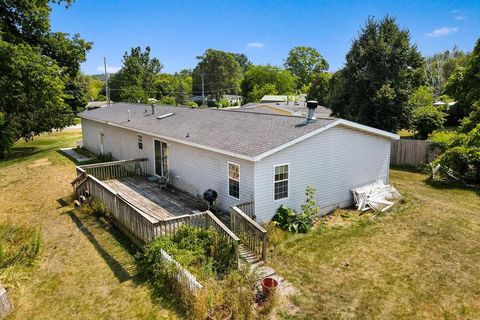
<point x="117" y="268"/>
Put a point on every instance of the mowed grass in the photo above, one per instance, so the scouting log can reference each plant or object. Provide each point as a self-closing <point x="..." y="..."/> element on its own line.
<point x="420" y="260"/>
<point x="84" y="271"/>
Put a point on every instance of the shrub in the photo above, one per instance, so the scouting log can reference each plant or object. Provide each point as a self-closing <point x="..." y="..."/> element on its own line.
<point x="290" y="221"/>
<point x="204" y="252"/>
<point x="426" y="119"/>
<point x="446" y="139"/>
<point x="224" y="103"/>
<point x="463" y="161"/>
<point x="100" y="211"/>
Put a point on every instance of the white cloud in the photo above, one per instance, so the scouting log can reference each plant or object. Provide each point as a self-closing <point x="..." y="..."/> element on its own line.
<point x="442" y="32"/>
<point x="110" y="69"/>
<point x="257" y="45"/>
<point x="460" y="17"/>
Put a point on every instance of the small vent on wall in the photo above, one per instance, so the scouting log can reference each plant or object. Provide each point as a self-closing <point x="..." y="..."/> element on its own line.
<point x="165" y="115"/>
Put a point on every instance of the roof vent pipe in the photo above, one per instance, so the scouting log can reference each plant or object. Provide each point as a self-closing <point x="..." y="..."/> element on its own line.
<point x="128" y="111"/>
<point x="311" y="106"/>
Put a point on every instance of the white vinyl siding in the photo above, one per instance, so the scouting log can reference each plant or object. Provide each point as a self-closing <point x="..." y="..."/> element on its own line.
<point x="191" y="169"/>
<point x="333" y="161"/>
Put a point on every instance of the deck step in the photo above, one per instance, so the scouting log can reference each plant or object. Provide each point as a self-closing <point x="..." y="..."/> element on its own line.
<point x="247" y="255"/>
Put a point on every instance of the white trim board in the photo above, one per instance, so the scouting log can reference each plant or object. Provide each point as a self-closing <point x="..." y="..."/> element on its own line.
<point x="339" y="122"/>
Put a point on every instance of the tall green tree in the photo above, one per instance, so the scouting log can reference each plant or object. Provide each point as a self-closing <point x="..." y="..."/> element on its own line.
<point x="38" y="72"/>
<point x="382" y="70"/>
<point x="440" y="67"/>
<point x="305" y="63"/>
<point x="464" y="85"/>
<point x="267" y="78"/>
<point x="320" y="88"/>
<point x="176" y="86"/>
<point x="220" y="71"/>
<point x="135" y="80"/>
<point x="243" y="61"/>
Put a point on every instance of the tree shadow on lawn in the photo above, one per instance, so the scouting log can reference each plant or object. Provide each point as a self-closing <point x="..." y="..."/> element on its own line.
<point x="117" y="268"/>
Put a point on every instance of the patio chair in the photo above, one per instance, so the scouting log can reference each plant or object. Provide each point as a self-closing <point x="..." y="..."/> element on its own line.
<point x="163" y="181"/>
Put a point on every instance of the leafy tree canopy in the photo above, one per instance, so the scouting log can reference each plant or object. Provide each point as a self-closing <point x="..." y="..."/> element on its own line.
<point x="381" y="72"/>
<point x="243" y="61"/>
<point x="221" y="74"/>
<point x="135" y="80"/>
<point x="440" y="67"/>
<point x="464" y="85"/>
<point x="261" y="76"/>
<point x="304" y="63"/>
<point x="39" y="88"/>
<point x="320" y="87"/>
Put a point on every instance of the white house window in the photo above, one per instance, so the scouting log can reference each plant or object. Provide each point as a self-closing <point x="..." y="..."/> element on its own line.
<point x="280" y="184"/>
<point x="234" y="180"/>
<point x="140" y="141"/>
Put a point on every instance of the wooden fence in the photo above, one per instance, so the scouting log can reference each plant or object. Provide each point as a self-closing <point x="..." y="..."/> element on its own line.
<point x="183" y="275"/>
<point x="252" y="235"/>
<point x="412" y="152"/>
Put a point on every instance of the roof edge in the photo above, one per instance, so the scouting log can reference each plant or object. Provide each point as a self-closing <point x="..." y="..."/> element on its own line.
<point x="192" y="144"/>
<point x="339" y="122"/>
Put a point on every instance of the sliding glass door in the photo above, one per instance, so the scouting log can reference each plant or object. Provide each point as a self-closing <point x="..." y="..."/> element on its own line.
<point x="161" y="158"/>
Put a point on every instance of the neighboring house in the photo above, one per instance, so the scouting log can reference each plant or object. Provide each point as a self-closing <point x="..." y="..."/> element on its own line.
<point x="91" y="105"/>
<point x="274" y="98"/>
<point x="246" y="157"/>
<point x="297" y="108"/>
<point x="232" y="98"/>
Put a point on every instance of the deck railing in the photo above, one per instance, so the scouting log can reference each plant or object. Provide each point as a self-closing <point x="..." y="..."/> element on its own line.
<point x="248" y="208"/>
<point x="201" y="220"/>
<point x="252" y="235"/>
<point x="140" y="227"/>
<point x="116" y="169"/>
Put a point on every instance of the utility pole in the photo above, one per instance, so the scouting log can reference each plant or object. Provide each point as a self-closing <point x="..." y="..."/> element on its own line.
<point x="107" y="88"/>
<point x="203" y="91"/>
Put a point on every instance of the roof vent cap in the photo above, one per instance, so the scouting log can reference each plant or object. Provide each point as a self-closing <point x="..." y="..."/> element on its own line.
<point x="311" y="105"/>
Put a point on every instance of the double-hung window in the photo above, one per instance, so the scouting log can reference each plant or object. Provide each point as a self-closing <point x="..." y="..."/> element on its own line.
<point x="280" y="182"/>
<point x="140" y="141"/>
<point x="234" y="180"/>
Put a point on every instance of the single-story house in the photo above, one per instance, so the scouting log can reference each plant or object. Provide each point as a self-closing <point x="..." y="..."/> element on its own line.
<point x="267" y="159"/>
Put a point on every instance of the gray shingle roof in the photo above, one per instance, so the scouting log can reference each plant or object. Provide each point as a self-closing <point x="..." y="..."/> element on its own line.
<point x="245" y="133"/>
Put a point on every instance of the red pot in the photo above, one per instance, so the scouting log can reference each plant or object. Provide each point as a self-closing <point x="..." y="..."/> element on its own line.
<point x="269" y="285"/>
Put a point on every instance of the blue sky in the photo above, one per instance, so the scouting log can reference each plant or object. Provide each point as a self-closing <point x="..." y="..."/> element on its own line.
<point x="178" y="31"/>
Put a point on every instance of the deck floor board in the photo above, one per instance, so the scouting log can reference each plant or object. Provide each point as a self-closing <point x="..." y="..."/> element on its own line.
<point x="147" y="196"/>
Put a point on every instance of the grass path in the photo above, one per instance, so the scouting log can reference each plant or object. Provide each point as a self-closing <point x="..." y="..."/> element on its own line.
<point x="84" y="272"/>
<point x="417" y="261"/>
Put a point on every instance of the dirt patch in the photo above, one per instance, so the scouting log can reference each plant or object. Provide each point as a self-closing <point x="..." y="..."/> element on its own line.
<point x="40" y="163"/>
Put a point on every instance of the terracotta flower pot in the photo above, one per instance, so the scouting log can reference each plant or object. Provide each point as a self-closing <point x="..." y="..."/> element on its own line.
<point x="269" y="285"/>
<point x="220" y="312"/>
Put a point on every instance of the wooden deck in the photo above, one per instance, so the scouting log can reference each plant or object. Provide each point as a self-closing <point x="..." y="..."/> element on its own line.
<point x="147" y="197"/>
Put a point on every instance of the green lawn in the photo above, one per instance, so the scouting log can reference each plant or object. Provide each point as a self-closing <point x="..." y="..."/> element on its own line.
<point x="84" y="272"/>
<point x="420" y="260"/>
